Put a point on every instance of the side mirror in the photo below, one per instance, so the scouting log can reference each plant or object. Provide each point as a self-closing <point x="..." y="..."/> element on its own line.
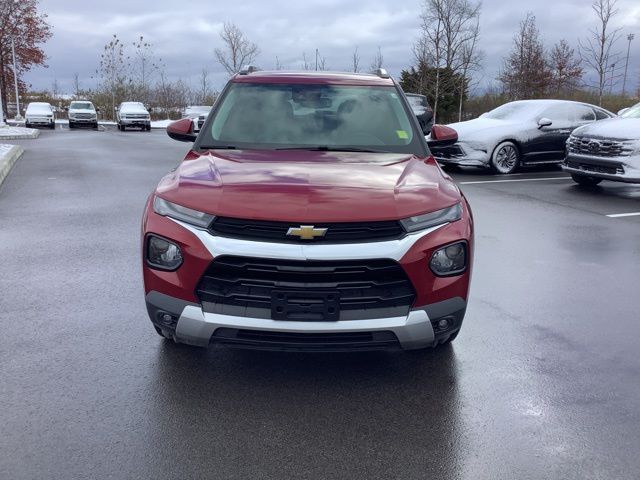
<point x="622" y="111"/>
<point x="98" y="110"/>
<point x="66" y="109"/>
<point x="182" y="130"/>
<point x="544" y="122"/>
<point x="442" y="136"/>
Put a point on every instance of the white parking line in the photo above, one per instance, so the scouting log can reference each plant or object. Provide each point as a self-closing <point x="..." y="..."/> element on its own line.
<point x="514" y="180"/>
<point x="619" y="215"/>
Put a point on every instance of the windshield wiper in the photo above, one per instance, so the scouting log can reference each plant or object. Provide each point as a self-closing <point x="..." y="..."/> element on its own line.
<point x="218" y="147"/>
<point x="326" y="148"/>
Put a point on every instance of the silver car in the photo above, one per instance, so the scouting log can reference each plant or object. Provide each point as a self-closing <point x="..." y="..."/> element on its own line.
<point x="607" y="150"/>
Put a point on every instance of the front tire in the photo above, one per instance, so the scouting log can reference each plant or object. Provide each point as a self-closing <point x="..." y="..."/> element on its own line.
<point x="52" y="126"/>
<point x="122" y="128"/>
<point x="585" y="181"/>
<point x="505" y="158"/>
<point x="71" y="126"/>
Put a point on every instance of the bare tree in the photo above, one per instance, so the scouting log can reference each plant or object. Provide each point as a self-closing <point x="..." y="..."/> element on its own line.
<point x="322" y="63"/>
<point x="566" y="69"/>
<point x="355" y="59"/>
<point x="377" y="61"/>
<point x="237" y="51"/>
<point x="469" y="60"/>
<point x="525" y="72"/>
<point x="76" y="85"/>
<point x="113" y="69"/>
<point x="144" y="67"/>
<point x="305" y="63"/>
<point x="597" y="50"/>
<point x="55" y="89"/>
<point x="278" y="64"/>
<point x="449" y="35"/>
<point x="204" y="89"/>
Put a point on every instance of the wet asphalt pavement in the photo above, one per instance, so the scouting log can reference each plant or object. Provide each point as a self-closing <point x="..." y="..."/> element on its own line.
<point x="542" y="383"/>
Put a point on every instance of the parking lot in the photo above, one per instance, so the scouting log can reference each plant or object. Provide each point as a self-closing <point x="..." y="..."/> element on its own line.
<point x="542" y="382"/>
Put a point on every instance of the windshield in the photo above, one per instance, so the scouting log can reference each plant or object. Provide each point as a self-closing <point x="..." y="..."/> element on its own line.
<point x="633" y="112"/>
<point x="132" y="105"/>
<point x="513" y="110"/>
<point x="307" y="116"/>
<point x="81" y="105"/>
<point x="39" y="107"/>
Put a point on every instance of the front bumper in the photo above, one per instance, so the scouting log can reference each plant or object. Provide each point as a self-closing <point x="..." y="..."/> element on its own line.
<point x="39" y="120"/>
<point x="177" y="311"/>
<point x="135" y="122"/>
<point x="186" y="322"/>
<point x="617" y="169"/>
<point x="461" y="154"/>
<point x="91" y="121"/>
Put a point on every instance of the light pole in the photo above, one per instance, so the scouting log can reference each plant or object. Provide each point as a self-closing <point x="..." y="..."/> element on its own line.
<point x="626" y="65"/>
<point x="15" y="78"/>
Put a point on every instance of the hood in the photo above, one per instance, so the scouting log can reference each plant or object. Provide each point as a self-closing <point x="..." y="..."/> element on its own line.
<point x="612" y="128"/>
<point x="134" y="111"/>
<point x="479" y="128"/>
<point x="309" y="186"/>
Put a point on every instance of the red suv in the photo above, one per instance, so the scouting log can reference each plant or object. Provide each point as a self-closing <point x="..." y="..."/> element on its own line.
<point x="308" y="215"/>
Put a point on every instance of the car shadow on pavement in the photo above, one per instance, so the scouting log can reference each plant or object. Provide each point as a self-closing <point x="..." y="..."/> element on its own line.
<point x="388" y="412"/>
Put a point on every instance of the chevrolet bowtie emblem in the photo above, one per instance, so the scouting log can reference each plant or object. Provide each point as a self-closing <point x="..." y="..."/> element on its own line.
<point x="306" y="232"/>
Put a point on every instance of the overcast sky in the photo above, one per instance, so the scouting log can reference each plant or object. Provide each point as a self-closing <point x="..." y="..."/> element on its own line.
<point x="184" y="34"/>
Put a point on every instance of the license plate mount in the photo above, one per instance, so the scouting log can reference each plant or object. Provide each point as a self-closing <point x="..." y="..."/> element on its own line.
<point x="305" y="306"/>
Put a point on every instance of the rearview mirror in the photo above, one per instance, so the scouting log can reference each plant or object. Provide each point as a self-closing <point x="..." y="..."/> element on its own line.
<point x="182" y="130"/>
<point x="442" y="136"/>
<point x="622" y="111"/>
<point x="544" y="122"/>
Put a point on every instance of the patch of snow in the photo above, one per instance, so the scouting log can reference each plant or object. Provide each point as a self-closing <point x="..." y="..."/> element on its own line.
<point x="4" y="149"/>
<point x="161" y="123"/>
<point x="8" y="131"/>
<point x="614" y="128"/>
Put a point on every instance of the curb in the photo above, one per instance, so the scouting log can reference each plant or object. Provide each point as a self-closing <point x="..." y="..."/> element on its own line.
<point x="33" y="134"/>
<point x="8" y="160"/>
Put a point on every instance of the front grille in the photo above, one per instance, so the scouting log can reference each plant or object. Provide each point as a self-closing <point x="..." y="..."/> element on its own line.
<point x="448" y="152"/>
<point x="269" y="340"/>
<point x="243" y="286"/>
<point x="599" y="147"/>
<point x="84" y="115"/>
<point x="135" y="116"/>
<point x="342" y="232"/>
<point x="596" y="168"/>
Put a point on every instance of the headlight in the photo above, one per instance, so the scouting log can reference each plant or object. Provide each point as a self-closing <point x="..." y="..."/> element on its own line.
<point x="428" y="220"/>
<point x="449" y="260"/>
<point x="163" y="254"/>
<point x="188" y="215"/>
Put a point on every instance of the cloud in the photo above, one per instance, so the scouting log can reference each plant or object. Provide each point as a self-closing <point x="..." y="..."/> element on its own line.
<point x="185" y="34"/>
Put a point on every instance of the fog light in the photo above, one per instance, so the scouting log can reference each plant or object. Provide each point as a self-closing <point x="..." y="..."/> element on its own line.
<point x="443" y="324"/>
<point x="449" y="260"/>
<point x="163" y="254"/>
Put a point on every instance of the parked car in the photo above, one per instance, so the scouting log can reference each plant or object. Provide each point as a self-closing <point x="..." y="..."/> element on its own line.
<point x="422" y="110"/>
<point x="308" y="215"/>
<point x="608" y="150"/>
<point x="82" y="112"/>
<point x="527" y="132"/>
<point x="39" y="114"/>
<point x="197" y="113"/>
<point x="133" y="114"/>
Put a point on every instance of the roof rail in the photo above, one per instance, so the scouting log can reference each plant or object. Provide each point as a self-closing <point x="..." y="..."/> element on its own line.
<point x="382" y="73"/>
<point x="247" y="69"/>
